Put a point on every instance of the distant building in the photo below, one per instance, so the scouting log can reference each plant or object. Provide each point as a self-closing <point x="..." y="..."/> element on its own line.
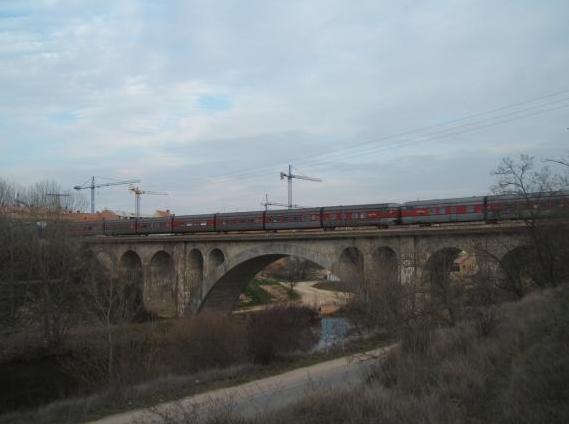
<point x="465" y="264"/>
<point x="162" y="214"/>
<point x="27" y="213"/>
<point x="106" y="215"/>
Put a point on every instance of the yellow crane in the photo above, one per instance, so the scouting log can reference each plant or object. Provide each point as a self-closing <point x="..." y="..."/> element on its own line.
<point x="137" y="193"/>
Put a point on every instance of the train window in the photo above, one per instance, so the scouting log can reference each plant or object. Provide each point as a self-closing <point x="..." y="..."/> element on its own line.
<point x="470" y="209"/>
<point x="453" y="209"/>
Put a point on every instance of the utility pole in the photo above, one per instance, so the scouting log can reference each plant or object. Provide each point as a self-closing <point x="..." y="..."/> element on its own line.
<point x="289" y="176"/>
<point x="91" y="185"/>
<point x="137" y="193"/>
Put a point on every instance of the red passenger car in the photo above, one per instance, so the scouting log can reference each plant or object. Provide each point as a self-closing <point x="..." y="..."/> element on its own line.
<point x="443" y="210"/>
<point x="293" y="218"/>
<point x="120" y="227"/>
<point x="382" y="214"/>
<point x="154" y="225"/>
<point x="532" y="206"/>
<point x="193" y="223"/>
<point x="239" y="221"/>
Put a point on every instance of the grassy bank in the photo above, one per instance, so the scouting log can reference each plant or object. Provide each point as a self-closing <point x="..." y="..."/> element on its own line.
<point x="265" y="291"/>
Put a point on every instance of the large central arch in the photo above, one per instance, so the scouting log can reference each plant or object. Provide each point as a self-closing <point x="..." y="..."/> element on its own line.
<point x="243" y="267"/>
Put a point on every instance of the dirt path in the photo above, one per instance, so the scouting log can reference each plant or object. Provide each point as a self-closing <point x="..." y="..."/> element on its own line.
<point x="263" y="395"/>
<point x="328" y="301"/>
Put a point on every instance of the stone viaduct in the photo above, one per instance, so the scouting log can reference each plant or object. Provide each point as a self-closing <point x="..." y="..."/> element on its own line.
<point x="180" y="274"/>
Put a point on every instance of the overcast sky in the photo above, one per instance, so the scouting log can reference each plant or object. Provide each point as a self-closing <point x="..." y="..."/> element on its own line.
<point x="210" y="100"/>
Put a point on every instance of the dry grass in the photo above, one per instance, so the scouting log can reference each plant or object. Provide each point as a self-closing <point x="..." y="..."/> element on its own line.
<point x="507" y="365"/>
<point x="82" y="409"/>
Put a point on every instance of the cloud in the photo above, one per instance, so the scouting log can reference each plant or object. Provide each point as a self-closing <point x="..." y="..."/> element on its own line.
<point x="210" y="101"/>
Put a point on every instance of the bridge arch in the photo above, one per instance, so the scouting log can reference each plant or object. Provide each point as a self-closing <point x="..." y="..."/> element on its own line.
<point x="241" y="268"/>
<point x="130" y="269"/>
<point x="131" y="277"/>
<point x="385" y="266"/>
<point x="216" y="257"/>
<point x="442" y="293"/>
<point x="160" y="288"/>
<point x="350" y="266"/>
<point x="518" y="271"/>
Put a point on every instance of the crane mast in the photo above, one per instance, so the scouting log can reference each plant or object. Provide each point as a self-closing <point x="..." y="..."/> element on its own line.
<point x="137" y="193"/>
<point x="289" y="176"/>
<point x="92" y="186"/>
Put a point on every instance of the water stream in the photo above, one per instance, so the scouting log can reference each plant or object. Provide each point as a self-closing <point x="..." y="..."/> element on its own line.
<point x="333" y="331"/>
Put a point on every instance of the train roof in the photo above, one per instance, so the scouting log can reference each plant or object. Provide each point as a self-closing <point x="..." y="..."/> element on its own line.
<point x="366" y="205"/>
<point x="450" y="201"/>
<point x="245" y="213"/>
<point x="536" y="195"/>
<point x="271" y="211"/>
<point x="202" y="215"/>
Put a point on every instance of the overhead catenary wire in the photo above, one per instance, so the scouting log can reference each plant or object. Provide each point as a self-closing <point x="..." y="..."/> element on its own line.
<point x="422" y="135"/>
<point x="436" y="137"/>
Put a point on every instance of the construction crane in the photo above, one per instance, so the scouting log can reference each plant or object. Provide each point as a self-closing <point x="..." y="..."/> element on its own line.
<point x="266" y="203"/>
<point x="137" y="193"/>
<point x="91" y="185"/>
<point x="289" y="176"/>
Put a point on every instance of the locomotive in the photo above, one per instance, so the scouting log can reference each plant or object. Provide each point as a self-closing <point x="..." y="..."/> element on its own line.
<point x="490" y="209"/>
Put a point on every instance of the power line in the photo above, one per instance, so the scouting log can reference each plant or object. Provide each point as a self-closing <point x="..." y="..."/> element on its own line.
<point x="435" y="136"/>
<point x="352" y="151"/>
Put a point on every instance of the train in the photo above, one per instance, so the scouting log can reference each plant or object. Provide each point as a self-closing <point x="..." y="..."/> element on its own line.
<point x="489" y="209"/>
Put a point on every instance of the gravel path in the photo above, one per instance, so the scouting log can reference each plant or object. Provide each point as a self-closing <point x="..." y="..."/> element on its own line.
<point x="265" y="395"/>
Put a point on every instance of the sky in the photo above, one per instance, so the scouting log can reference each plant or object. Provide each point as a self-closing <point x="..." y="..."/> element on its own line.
<point x="385" y="101"/>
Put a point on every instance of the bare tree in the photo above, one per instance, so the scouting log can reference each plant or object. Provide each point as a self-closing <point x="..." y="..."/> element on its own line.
<point x="38" y="278"/>
<point x="109" y="304"/>
<point x="38" y="262"/>
<point x="297" y="269"/>
<point x="7" y="195"/>
<point x="533" y="189"/>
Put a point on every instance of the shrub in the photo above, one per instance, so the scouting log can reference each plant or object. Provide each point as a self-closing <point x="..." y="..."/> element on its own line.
<point x="279" y="329"/>
<point x="208" y="340"/>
